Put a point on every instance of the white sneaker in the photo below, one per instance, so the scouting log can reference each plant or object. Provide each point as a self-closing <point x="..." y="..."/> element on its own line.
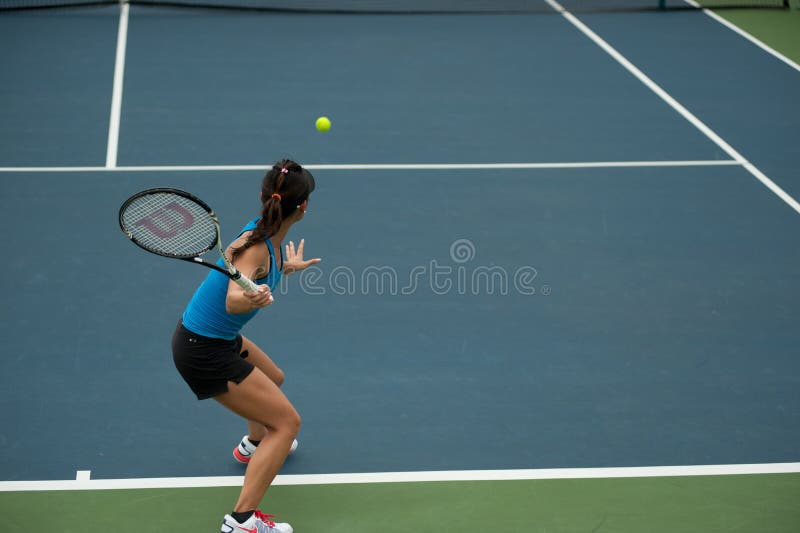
<point x="257" y="523"/>
<point x="245" y="450"/>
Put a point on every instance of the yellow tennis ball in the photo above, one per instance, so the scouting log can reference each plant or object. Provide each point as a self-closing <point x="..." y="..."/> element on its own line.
<point x="323" y="124"/>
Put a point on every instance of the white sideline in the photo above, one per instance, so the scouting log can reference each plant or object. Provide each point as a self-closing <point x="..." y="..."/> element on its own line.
<point x="116" y="90"/>
<point x="677" y="106"/>
<point x="746" y="35"/>
<point x="82" y="481"/>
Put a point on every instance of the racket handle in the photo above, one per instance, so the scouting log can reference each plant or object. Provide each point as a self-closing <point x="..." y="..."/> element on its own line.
<point x="245" y="283"/>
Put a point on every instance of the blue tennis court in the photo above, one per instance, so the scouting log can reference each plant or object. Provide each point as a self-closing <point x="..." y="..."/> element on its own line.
<point x="549" y="241"/>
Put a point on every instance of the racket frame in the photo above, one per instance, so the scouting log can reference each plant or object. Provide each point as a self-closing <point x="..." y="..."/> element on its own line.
<point x="230" y="271"/>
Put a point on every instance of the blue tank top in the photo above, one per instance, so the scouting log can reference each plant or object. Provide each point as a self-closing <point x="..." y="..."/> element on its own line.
<point x="206" y="314"/>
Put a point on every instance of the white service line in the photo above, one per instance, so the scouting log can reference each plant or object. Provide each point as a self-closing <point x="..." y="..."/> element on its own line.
<point x="685" y="113"/>
<point x="408" y="477"/>
<point x="386" y="166"/>
<point x="116" y="91"/>
<point x="746" y="35"/>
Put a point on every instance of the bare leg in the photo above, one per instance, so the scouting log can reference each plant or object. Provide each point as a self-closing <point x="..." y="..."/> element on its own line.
<point x="255" y="431"/>
<point x="256" y="356"/>
<point x="259" y="399"/>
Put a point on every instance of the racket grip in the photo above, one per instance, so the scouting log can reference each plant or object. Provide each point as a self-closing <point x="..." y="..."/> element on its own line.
<point x="248" y="285"/>
<point x="244" y="282"/>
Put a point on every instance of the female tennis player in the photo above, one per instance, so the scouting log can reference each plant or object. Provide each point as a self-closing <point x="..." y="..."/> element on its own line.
<point x="216" y="361"/>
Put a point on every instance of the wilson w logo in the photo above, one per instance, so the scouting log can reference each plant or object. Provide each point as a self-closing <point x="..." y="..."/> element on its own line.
<point x="167" y="221"/>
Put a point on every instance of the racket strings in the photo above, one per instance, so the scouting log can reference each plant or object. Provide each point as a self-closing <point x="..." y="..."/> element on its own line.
<point x="170" y="224"/>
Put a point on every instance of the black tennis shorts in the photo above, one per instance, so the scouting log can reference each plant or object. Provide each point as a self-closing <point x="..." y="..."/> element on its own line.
<point x="208" y="364"/>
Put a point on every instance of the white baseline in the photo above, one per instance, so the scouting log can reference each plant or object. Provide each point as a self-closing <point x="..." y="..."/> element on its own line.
<point x="82" y="481"/>
<point x="384" y="166"/>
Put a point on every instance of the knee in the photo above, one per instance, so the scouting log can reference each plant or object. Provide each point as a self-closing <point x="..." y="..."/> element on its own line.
<point x="288" y="423"/>
<point x="293" y="422"/>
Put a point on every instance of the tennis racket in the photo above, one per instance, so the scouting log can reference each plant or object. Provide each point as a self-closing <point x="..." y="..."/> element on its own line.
<point x="174" y="223"/>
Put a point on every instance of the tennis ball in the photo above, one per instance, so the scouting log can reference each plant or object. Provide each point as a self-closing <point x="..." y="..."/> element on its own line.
<point x="323" y="124"/>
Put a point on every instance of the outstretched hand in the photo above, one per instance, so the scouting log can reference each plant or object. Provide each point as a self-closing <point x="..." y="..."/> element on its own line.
<point x="294" y="261"/>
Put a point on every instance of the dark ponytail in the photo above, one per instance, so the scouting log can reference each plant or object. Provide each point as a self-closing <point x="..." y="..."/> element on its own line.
<point x="285" y="186"/>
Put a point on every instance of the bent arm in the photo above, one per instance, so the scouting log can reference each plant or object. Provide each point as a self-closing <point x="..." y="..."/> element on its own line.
<point x="251" y="263"/>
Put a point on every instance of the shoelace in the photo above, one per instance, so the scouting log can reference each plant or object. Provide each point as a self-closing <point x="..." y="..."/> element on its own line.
<point x="266" y="518"/>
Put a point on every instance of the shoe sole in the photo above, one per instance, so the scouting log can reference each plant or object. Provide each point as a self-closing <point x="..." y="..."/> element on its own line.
<point x="239" y="457"/>
<point x="245" y="459"/>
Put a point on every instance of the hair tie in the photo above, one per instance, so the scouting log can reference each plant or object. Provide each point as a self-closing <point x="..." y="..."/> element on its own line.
<point x="284" y="170"/>
<point x="276" y="195"/>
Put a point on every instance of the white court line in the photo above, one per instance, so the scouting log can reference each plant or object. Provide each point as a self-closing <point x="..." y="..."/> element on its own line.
<point x="407" y="477"/>
<point x="685" y="113"/>
<point x="746" y="35"/>
<point x="386" y="166"/>
<point x="116" y="91"/>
